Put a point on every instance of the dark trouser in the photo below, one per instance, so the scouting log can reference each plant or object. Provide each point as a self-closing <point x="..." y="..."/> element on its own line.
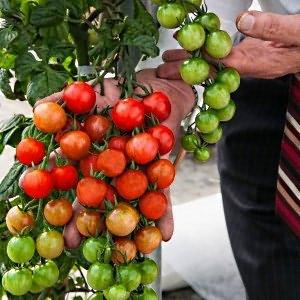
<point x="266" y="251"/>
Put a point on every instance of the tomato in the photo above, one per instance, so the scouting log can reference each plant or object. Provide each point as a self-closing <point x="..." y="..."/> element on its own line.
<point x="35" y="288"/>
<point x="142" y="148"/>
<point x="153" y="205"/>
<point x="216" y="96"/>
<point x="49" y="117"/>
<point x="71" y="124"/>
<point x="213" y="137"/>
<point x="79" y="97"/>
<point x="148" y="294"/>
<point x="89" y="223"/>
<point x="207" y="121"/>
<point x="20" y="249"/>
<point x="111" y="162"/>
<point x="194" y="70"/>
<point x="226" y="113"/>
<point x="147" y="239"/>
<point x="64" y="177"/>
<point x="75" y="144"/>
<point x="100" y="276"/>
<point x="191" y="36"/>
<point x="17" y="220"/>
<point x="158" y="104"/>
<point x="149" y="271"/>
<point x="170" y="15"/>
<point x="50" y="244"/>
<point x="88" y="165"/>
<point x="93" y="37"/>
<point x="122" y="220"/>
<point x="218" y="44"/>
<point x="130" y="277"/>
<point x="202" y="154"/>
<point x="132" y="184"/>
<point x="116" y="292"/>
<point x="37" y="184"/>
<point x="46" y="275"/>
<point x="164" y="136"/>
<point x="17" y="282"/>
<point x="91" y="191"/>
<point x="230" y="78"/>
<point x="125" y="251"/>
<point x="162" y="173"/>
<point x="189" y="142"/>
<point x="97" y="296"/>
<point x="30" y="151"/>
<point x="209" y="21"/>
<point x="93" y="247"/>
<point x="96" y="127"/>
<point x="118" y="143"/>
<point x="58" y="212"/>
<point x="110" y="196"/>
<point x="128" y="114"/>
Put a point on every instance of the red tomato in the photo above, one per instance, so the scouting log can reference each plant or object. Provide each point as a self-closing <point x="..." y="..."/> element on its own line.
<point x="79" y="97"/>
<point x="58" y="212"/>
<point x="128" y="114"/>
<point x="125" y="251"/>
<point x="37" y="184"/>
<point x="118" y="143"/>
<point x="91" y="192"/>
<point x="164" y="136"/>
<point x="111" y="162"/>
<point x="71" y="124"/>
<point x="30" y="151"/>
<point x="110" y="196"/>
<point x="142" y="148"/>
<point x="64" y="178"/>
<point x="89" y="223"/>
<point x="158" y="104"/>
<point x="96" y="127"/>
<point x="147" y="239"/>
<point x="88" y="165"/>
<point x="153" y="205"/>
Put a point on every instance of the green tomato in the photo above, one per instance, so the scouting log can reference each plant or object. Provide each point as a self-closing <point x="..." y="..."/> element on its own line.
<point x="213" y="137"/>
<point x="194" y="71"/>
<point x="130" y="277"/>
<point x="46" y="275"/>
<point x="116" y="292"/>
<point x="191" y="36"/>
<point x="20" y="249"/>
<point x="100" y="276"/>
<point x="202" y="154"/>
<point x="189" y="142"/>
<point x="148" y="294"/>
<point x="93" y="37"/>
<point x="207" y="121"/>
<point x="171" y="15"/>
<point x="97" y="296"/>
<point x="226" y="113"/>
<point x="216" y="96"/>
<point x="230" y="78"/>
<point x="50" y="244"/>
<point x="209" y="21"/>
<point x="149" y="271"/>
<point x="92" y="247"/>
<point x="218" y="44"/>
<point x="35" y="288"/>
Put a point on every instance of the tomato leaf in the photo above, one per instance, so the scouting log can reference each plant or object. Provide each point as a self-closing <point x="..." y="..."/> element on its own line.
<point x="7" y="35"/>
<point x="7" y="60"/>
<point x="5" y="88"/>
<point x="65" y="264"/>
<point x="26" y="65"/>
<point x="146" y="44"/>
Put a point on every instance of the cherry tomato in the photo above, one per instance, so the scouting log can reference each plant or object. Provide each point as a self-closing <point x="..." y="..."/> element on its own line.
<point x="116" y="292"/>
<point x="226" y="113"/>
<point x="89" y="223"/>
<point x="30" y="151"/>
<point x="142" y="148"/>
<point x="75" y="144"/>
<point x="88" y="165"/>
<point x="202" y="154"/>
<point x="96" y="296"/>
<point x="20" y="249"/>
<point x="213" y="137"/>
<point x="17" y="220"/>
<point x="96" y="127"/>
<point x="64" y="178"/>
<point x="111" y="162"/>
<point x="189" y="141"/>
<point x="128" y="114"/>
<point x="46" y="275"/>
<point x="93" y="37"/>
<point x="79" y="97"/>
<point x="216" y="96"/>
<point x="58" y="212"/>
<point x="170" y="15"/>
<point x="49" y="117"/>
<point x="147" y="239"/>
<point x="164" y="137"/>
<point x="110" y="196"/>
<point x="209" y="21"/>
<point x="93" y="247"/>
<point x="191" y="36"/>
<point x="148" y="294"/>
<point x="149" y="271"/>
<point x="71" y="124"/>
<point x="100" y="276"/>
<point x="118" y="143"/>
<point x="122" y="220"/>
<point x="37" y="184"/>
<point x="207" y="121"/>
<point x="159" y="105"/>
<point x="125" y="251"/>
<point x="50" y="244"/>
<point x="230" y="78"/>
<point x="193" y="5"/>
<point x="132" y="184"/>
<point x="130" y="277"/>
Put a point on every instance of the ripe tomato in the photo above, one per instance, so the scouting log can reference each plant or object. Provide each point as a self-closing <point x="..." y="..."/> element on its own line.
<point x="207" y="121"/>
<point x="75" y="144"/>
<point x="147" y="294"/>
<point x="111" y="162"/>
<point x="202" y="154"/>
<point x="96" y="127"/>
<point x="49" y="117"/>
<point x="142" y="148"/>
<point x="132" y="184"/>
<point x="88" y="165"/>
<point x="118" y="143"/>
<point x="214" y="136"/>
<point x="216" y="96"/>
<point x="64" y="178"/>
<point x="226" y="113"/>
<point x="110" y="196"/>
<point x="50" y="244"/>
<point x="92" y="248"/>
<point x="58" y="212"/>
<point x="164" y="137"/>
<point x="130" y="276"/>
<point x="91" y="191"/>
<point x="17" y="220"/>
<point x="230" y="78"/>
<point x="149" y="271"/>
<point x="125" y="251"/>
<point x="209" y="21"/>
<point x="159" y="105"/>
<point x="191" y="36"/>
<point x="122" y="220"/>
<point x="128" y="114"/>
<point x="162" y="173"/>
<point x="170" y="15"/>
<point x="89" y="223"/>
<point x="71" y="124"/>
<point x="20" y="249"/>
<point x="100" y="276"/>
<point x="147" y="239"/>
<point x="46" y="275"/>
<point x="79" y="97"/>
<point x="116" y="292"/>
<point x="30" y="151"/>
<point x="37" y="184"/>
<point x="189" y="141"/>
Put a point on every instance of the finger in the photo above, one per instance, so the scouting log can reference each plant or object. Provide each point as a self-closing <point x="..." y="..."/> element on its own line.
<point x="271" y="27"/>
<point x="175" y="54"/>
<point x="169" y="70"/>
<point x="56" y="97"/>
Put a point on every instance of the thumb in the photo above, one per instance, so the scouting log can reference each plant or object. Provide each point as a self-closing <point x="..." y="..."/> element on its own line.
<point x="271" y="27"/>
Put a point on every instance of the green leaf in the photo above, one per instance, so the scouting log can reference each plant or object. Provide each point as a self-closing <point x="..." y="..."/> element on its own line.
<point x="16" y="120"/>
<point x="65" y="264"/>
<point x="146" y="44"/>
<point x="7" y="60"/>
<point x="5" y="88"/>
<point x="7" y="35"/>
<point x="58" y="50"/>
<point x="76" y="8"/>
<point x="26" y="65"/>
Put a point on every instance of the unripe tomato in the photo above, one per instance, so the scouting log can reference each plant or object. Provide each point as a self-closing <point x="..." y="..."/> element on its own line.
<point x="30" y="151"/>
<point x="230" y="78"/>
<point x="49" y="117"/>
<point x="88" y="165"/>
<point x="202" y="154"/>
<point x="118" y="143"/>
<point x="125" y="251"/>
<point x="207" y="121"/>
<point x="96" y="296"/>
<point x="64" y="178"/>
<point x="20" y="249"/>
<point x="116" y="292"/>
<point x="213" y="137"/>
<point x="79" y="97"/>
<point x="58" y="212"/>
<point x="132" y="184"/>
<point x="93" y="37"/>
<point x="226" y="113"/>
<point x="89" y="223"/>
<point x="216" y="96"/>
<point x="189" y="141"/>
<point x="46" y="275"/>
<point x="93" y="247"/>
<point x="149" y="271"/>
<point x="122" y="220"/>
<point x="191" y="36"/>
<point x="100" y="276"/>
<point x="17" y="220"/>
<point x="96" y="127"/>
<point x="147" y="239"/>
<point x="148" y="294"/>
<point x="111" y="162"/>
<point x="171" y="15"/>
<point x="50" y="244"/>
<point x="130" y="276"/>
<point x="209" y="21"/>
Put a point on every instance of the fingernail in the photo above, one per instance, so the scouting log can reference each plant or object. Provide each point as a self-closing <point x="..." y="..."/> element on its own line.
<point x="246" y="22"/>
